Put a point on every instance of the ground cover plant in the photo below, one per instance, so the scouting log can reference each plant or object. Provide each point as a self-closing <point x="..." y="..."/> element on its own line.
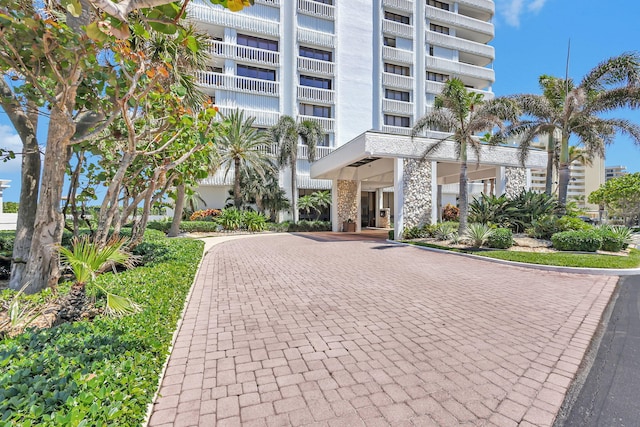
<point x="104" y="372"/>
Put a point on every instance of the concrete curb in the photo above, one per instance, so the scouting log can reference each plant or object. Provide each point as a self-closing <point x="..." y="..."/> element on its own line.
<point x="554" y="268"/>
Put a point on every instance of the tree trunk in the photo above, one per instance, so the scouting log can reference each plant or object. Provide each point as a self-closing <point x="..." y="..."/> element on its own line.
<point x="237" y="197"/>
<point x="565" y="175"/>
<point x="464" y="198"/>
<point x="110" y="202"/>
<point x="73" y="305"/>
<point x="177" y="213"/>
<point x="551" y="150"/>
<point x="294" y="189"/>
<point x="42" y="269"/>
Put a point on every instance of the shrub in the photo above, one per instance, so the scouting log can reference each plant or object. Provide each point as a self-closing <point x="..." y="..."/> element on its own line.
<point x="199" y="226"/>
<point x="500" y="239"/>
<point x="488" y="209"/>
<point x="620" y="231"/>
<point x="444" y="231"/>
<point x="544" y="227"/>
<point x="569" y="223"/>
<point x="582" y="240"/>
<point x="477" y="234"/>
<point x="6" y="241"/>
<point x="230" y="219"/>
<point x="205" y="215"/>
<point x="10" y="207"/>
<point x="611" y="242"/>
<point x="254" y="221"/>
<point x="414" y="233"/>
<point x="160" y="225"/>
<point x="450" y="213"/>
<point x="429" y="229"/>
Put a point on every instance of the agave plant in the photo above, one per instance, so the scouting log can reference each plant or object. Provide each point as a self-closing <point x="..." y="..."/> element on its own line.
<point x="86" y="260"/>
<point x="620" y="231"/>
<point x="478" y="234"/>
<point x="444" y="231"/>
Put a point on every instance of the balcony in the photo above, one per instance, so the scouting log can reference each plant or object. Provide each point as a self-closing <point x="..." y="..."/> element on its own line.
<point x="238" y="84"/>
<point x="397" y="130"/>
<point x="317" y="38"/>
<point x="400" y="107"/>
<point x="403" y="5"/>
<point x="436" y="87"/>
<point x="327" y="124"/>
<point x="309" y="65"/>
<point x="312" y="94"/>
<point x="274" y="3"/>
<point x="397" y="29"/>
<point x="460" y="21"/>
<point x="485" y="5"/>
<point x="244" y="53"/>
<point x="460" y="69"/>
<point x="221" y="17"/>
<point x="262" y="118"/>
<point x="303" y="151"/>
<point x="397" y="55"/>
<point x="314" y="8"/>
<point x="461" y="45"/>
<point x="397" y="81"/>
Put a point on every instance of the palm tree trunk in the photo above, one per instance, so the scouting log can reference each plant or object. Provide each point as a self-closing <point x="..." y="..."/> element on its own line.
<point x="464" y="195"/>
<point x="237" y="198"/>
<point x="548" y="186"/>
<point x="177" y="213"/>
<point x="74" y="304"/>
<point x="294" y="189"/>
<point x="565" y="174"/>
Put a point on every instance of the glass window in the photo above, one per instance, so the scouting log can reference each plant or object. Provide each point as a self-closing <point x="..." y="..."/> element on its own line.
<point x="396" y="95"/>
<point x="437" y="77"/>
<point x="256" y="73"/>
<point x="399" y="121"/>
<point x="390" y="16"/>
<point x="438" y="4"/>
<point x="257" y="42"/>
<point x="315" y="110"/>
<point x="322" y="55"/>
<point x="396" y="69"/>
<point x="318" y="82"/>
<point x="439" y="29"/>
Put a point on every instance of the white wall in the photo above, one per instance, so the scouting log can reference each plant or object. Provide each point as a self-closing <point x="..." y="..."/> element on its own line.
<point x="214" y="196"/>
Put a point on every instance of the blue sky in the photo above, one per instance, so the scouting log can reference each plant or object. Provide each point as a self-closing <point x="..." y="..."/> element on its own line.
<point x="531" y="39"/>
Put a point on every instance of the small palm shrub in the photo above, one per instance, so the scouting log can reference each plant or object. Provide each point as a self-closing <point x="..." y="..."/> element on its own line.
<point x="414" y="233"/>
<point x="254" y="221"/>
<point x="543" y="227"/>
<point x="450" y="213"/>
<point x="582" y="240"/>
<point x="477" y="234"/>
<point x="621" y="232"/>
<point x="230" y="219"/>
<point x="489" y="209"/>
<point x="501" y="238"/>
<point x="444" y="231"/>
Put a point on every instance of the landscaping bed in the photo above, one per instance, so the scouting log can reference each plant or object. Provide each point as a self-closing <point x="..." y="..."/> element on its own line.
<point x="102" y="372"/>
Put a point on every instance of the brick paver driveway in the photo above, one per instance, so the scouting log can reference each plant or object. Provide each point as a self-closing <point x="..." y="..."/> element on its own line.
<point x="296" y="330"/>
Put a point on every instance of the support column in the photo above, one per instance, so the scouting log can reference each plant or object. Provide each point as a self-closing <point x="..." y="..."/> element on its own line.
<point x="435" y="193"/>
<point x="515" y="181"/>
<point x="347" y="203"/>
<point x="418" y="192"/>
<point x="335" y="223"/>
<point x="501" y="181"/>
<point x="398" y="198"/>
<point x="379" y="205"/>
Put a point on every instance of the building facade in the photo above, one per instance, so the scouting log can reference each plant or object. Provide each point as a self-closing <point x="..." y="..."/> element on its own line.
<point x="614" y="172"/>
<point x="351" y="66"/>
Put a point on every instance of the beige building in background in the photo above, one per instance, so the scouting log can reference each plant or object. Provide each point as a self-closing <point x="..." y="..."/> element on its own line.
<point x="614" y="172"/>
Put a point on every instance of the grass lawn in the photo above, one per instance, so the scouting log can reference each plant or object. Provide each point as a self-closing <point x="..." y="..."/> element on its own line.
<point x="563" y="259"/>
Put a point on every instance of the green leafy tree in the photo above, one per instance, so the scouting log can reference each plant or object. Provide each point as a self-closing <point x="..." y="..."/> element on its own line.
<point x="621" y="197"/>
<point x="464" y="115"/>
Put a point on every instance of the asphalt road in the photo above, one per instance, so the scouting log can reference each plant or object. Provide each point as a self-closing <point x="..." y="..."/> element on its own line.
<point x="610" y="396"/>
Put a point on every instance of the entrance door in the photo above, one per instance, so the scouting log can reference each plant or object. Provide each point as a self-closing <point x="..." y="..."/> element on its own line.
<point x="368" y="209"/>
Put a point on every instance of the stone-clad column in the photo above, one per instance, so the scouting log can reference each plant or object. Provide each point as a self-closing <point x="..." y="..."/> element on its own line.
<point x="348" y="202"/>
<point x="516" y="181"/>
<point x="418" y="191"/>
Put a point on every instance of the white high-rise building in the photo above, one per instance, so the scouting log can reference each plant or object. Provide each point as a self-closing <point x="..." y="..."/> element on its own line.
<point x="350" y="65"/>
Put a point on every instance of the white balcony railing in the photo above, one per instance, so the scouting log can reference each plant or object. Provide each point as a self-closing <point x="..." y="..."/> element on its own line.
<point x="396" y="129"/>
<point x="244" y="53"/>
<point x="310" y="7"/>
<point x="460" y="21"/>
<point x="327" y="124"/>
<point x="459" y="69"/>
<point x="262" y="118"/>
<point x="397" y="29"/>
<point x="274" y="3"/>
<point x="393" y="106"/>
<point x="395" y="80"/>
<point x="218" y="16"/>
<point x="315" y="66"/>
<point x="303" y="151"/>
<point x="238" y="84"/>
<point x="436" y="87"/>
<point x="461" y="45"/>
<point x="324" y="96"/>
<point x="404" y="5"/>
<point x="397" y="55"/>
<point x="319" y="38"/>
<point x="485" y="5"/>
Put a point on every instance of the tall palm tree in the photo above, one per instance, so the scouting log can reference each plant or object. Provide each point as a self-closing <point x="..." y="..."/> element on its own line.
<point x="286" y="134"/>
<point x="243" y="147"/>
<point x="464" y="115"/>
<point x="571" y="109"/>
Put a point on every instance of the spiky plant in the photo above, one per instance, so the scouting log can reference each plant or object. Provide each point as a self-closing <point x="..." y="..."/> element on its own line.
<point x="86" y="260"/>
<point x="478" y="234"/>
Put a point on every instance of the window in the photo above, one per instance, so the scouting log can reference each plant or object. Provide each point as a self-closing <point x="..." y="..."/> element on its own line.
<point x="256" y="73"/>
<point x="396" y="95"/>
<point x="389" y="41"/>
<point x="318" y="82"/>
<point x="399" y="121"/>
<point x="430" y="50"/>
<point x="322" y="55"/>
<point x="258" y="42"/>
<point x="438" y="4"/>
<point x="437" y="77"/>
<point x="324" y="1"/>
<point x="396" y="18"/>
<point x="315" y="110"/>
<point x="397" y="69"/>
<point x="439" y="29"/>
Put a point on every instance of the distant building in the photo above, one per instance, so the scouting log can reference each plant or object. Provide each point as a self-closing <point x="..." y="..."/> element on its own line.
<point x="614" y="172"/>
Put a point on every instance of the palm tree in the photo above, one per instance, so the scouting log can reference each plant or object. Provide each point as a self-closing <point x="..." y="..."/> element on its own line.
<point x="306" y="204"/>
<point x="464" y="115"/>
<point x="321" y="200"/>
<point x="286" y="134"/>
<point x="243" y="147"/>
<point x="574" y="110"/>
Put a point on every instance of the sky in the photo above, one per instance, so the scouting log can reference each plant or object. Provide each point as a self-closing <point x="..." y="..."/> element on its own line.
<point x="531" y="39"/>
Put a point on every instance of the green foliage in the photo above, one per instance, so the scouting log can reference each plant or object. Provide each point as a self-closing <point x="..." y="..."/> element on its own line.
<point x="7" y="238"/>
<point x="10" y="207"/>
<point x="477" y="234"/>
<point x="582" y="241"/>
<point x="544" y="227"/>
<point x="621" y="196"/>
<point x="300" y="226"/>
<point x="161" y="225"/>
<point x="450" y="213"/>
<point x="254" y="221"/>
<point x="103" y="372"/>
<point x="445" y="230"/>
<point x="611" y="242"/>
<point x="570" y="223"/>
<point x="230" y="219"/>
<point x="489" y="209"/>
<point x="528" y="206"/>
<point x="501" y="238"/>
<point x="414" y="233"/>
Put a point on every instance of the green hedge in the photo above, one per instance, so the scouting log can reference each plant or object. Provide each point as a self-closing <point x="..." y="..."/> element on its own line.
<point x="10" y="207"/>
<point x="611" y="241"/>
<point x="583" y="241"/>
<point x="501" y="238"/>
<point x="105" y="372"/>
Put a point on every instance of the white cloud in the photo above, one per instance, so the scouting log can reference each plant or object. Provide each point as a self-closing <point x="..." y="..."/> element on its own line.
<point x="513" y="10"/>
<point x="9" y="140"/>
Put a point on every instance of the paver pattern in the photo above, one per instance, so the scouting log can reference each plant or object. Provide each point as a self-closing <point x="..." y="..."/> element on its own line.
<point x="292" y="330"/>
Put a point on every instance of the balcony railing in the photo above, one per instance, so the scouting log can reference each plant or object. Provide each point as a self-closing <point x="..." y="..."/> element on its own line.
<point x="393" y="106"/>
<point x="460" y="21"/>
<point x="238" y="84"/>
<point x="395" y="80"/>
<point x="274" y="3"/>
<point x="397" y="55"/>
<point x="327" y="124"/>
<point x="218" y="16"/>
<point x="459" y="68"/>
<point x="310" y="7"/>
<point x="324" y="96"/>
<point x="303" y="151"/>
<point x="404" y="5"/>
<point x="315" y="66"/>
<point x="436" y="87"/>
<point x="318" y="38"/>
<point x="244" y="53"/>
<point x="461" y="45"/>
<point x="262" y="118"/>
<point x="397" y="29"/>
<point x="397" y="130"/>
<point x="486" y="5"/>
